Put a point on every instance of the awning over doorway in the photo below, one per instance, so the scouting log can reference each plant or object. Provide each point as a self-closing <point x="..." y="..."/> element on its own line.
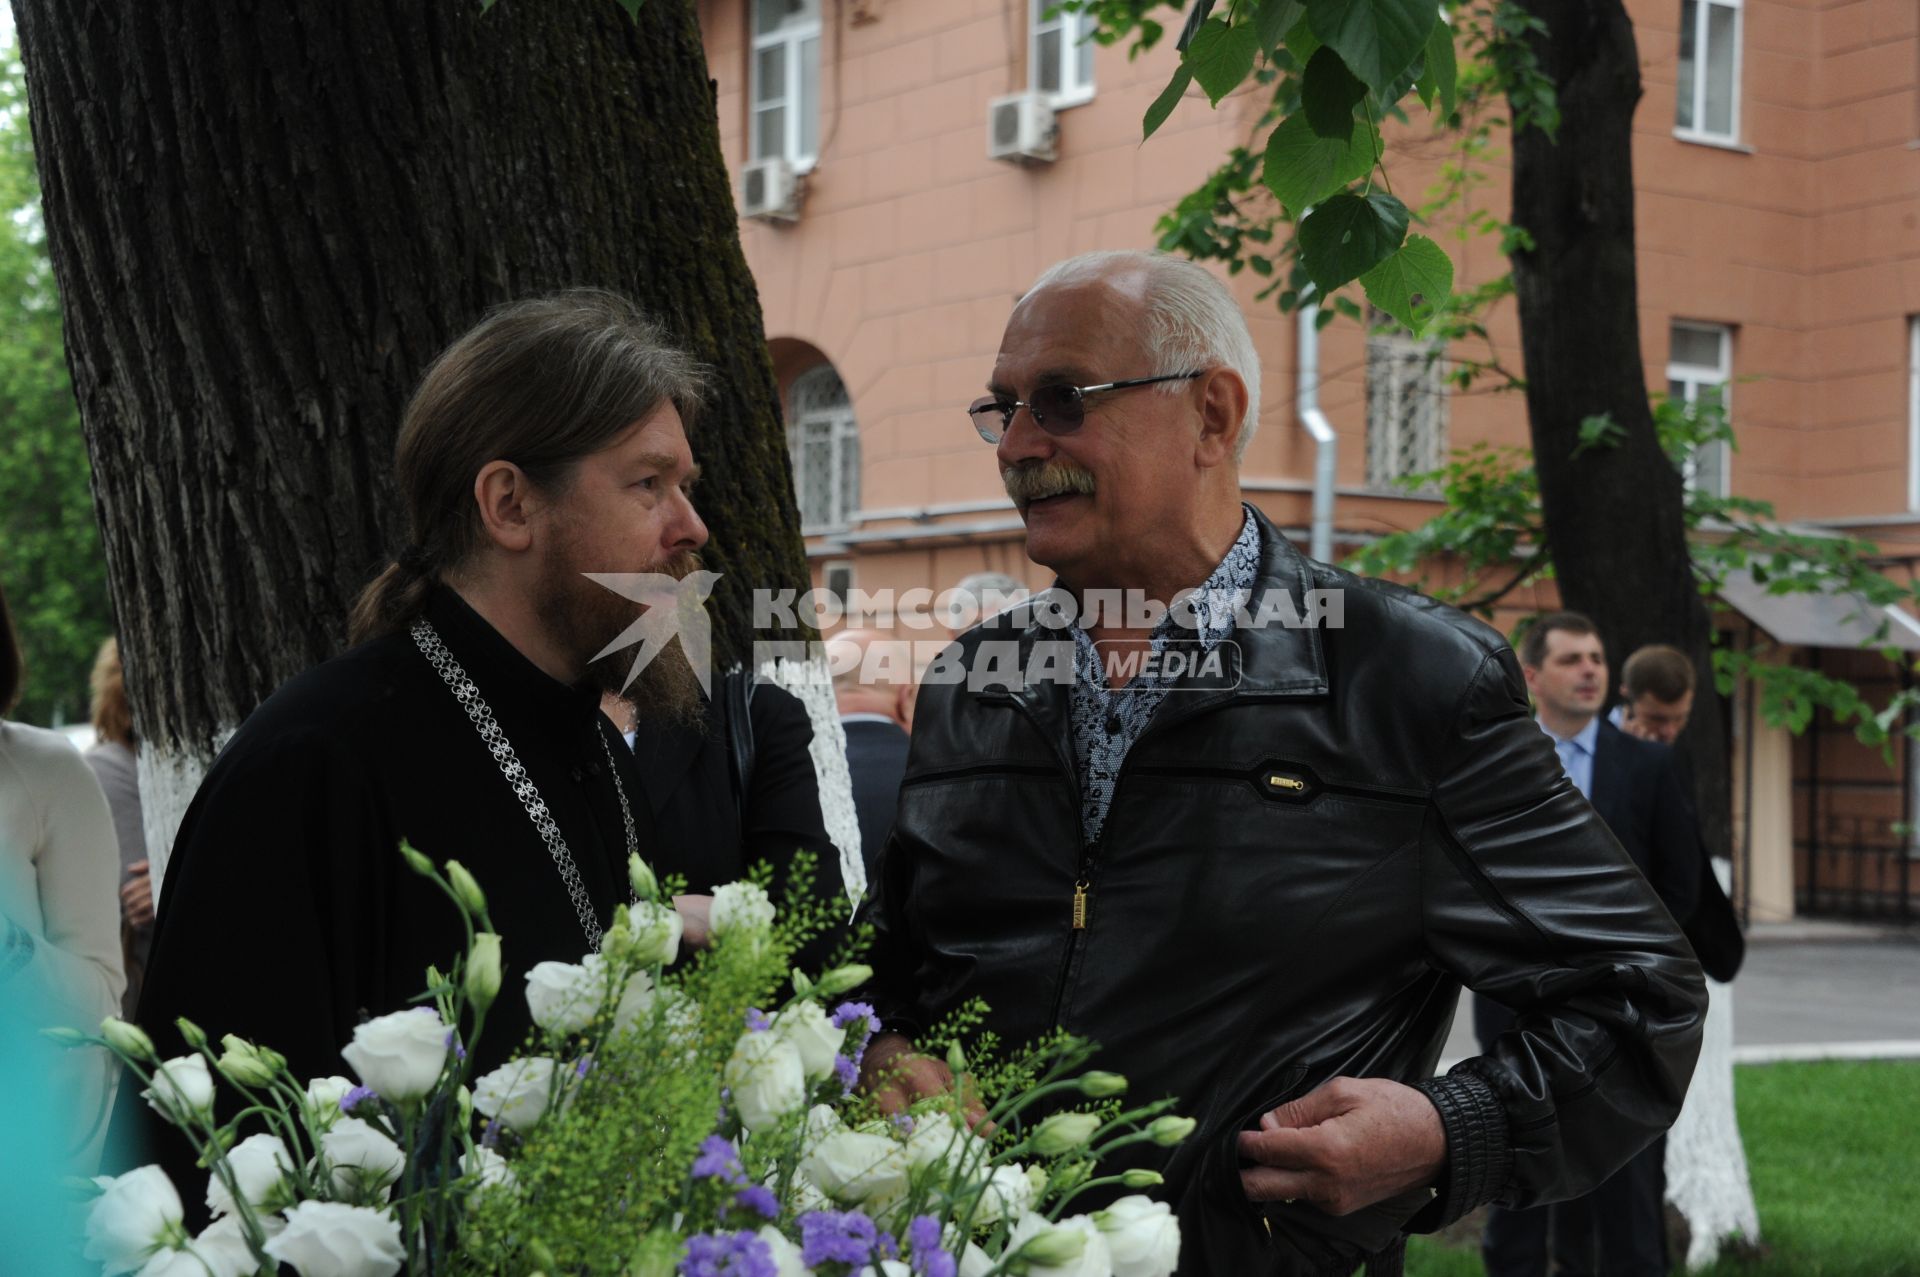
<point x="1819" y="620"/>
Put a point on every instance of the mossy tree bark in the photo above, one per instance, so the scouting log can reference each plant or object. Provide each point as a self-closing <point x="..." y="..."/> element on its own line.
<point x="266" y="219"/>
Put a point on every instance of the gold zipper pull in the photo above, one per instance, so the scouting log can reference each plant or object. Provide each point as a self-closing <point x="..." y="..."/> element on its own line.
<point x="1080" y="905"/>
<point x="1293" y="783"/>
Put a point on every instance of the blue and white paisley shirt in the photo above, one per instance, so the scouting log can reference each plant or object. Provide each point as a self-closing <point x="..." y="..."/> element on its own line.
<point x="1107" y="720"/>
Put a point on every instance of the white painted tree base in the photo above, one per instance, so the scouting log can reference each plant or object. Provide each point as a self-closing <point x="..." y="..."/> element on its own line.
<point x="168" y="781"/>
<point x="811" y="682"/>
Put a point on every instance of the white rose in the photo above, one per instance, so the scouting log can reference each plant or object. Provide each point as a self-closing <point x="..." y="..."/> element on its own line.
<point x="364" y="1160"/>
<point x="740" y="908"/>
<point x="181" y="1086"/>
<point x="786" y="1255"/>
<point x="489" y="1166"/>
<point x="400" y="1055"/>
<point x="1142" y="1235"/>
<point x="333" y="1239"/>
<point x="260" y="1165"/>
<point x="656" y="932"/>
<point x="1092" y="1259"/>
<point x="766" y="1078"/>
<point x="1008" y="1194"/>
<point x="323" y="1101"/>
<point x="518" y="1092"/>
<point x="858" y="1169"/>
<point x="812" y="1033"/>
<point x="564" y="996"/>
<point x="136" y="1216"/>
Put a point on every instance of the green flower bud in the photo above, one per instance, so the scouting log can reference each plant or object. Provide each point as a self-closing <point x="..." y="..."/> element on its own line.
<point x="415" y="861"/>
<point x="645" y="885"/>
<point x="127" y="1039"/>
<point x="1064" y="1132"/>
<point x="66" y="1037"/>
<point x="1069" y="1176"/>
<point x="1170" y="1130"/>
<point x="465" y="889"/>
<point x="537" y="1251"/>
<point x="243" y="1064"/>
<point x="1142" y="1179"/>
<point x="1098" y="1086"/>
<point x="191" y="1033"/>
<point x="617" y="944"/>
<point x="957" y="1059"/>
<point x="842" y="979"/>
<point x="483" y="970"/>
<point x="1055" y="1248"/>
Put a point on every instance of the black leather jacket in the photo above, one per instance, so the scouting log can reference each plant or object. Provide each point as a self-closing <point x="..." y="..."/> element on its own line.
<point x="1295" y="878"/>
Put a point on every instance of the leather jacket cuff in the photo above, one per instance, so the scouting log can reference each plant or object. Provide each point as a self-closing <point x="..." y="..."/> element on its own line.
<point x="1479" y="1154"/>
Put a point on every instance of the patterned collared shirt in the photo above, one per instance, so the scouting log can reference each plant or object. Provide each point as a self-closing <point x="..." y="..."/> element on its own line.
<point x="1107" y="720"/>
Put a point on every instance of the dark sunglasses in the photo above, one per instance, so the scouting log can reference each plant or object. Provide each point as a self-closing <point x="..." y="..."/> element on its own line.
<point x="1058" y="410"/>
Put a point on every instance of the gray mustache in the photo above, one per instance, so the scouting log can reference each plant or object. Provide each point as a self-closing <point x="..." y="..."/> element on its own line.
<point x="1027" y="483"/>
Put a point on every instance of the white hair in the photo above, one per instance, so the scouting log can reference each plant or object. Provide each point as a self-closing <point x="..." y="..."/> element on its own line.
<point x="1192" y="320"/>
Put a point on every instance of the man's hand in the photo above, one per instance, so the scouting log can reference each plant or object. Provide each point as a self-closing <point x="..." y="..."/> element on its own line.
<point x="136" y="895"/>
<point x="1345" y="1146"/>
<point x="696" y="929"/>
<point x="897" y="1076"/>
<point x="1634" y="727"/>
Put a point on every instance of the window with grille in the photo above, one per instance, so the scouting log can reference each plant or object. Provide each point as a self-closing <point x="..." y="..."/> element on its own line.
<point x="1707" y="99"/>
<point x="786" y="81"/>
<point x="1699" y="366"/>
<point x="1060" y="55"/>
<point x="1406" y="407"/>
<point x="825" y="445"/>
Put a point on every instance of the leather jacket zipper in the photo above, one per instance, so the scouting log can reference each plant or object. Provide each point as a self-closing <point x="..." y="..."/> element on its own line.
<point x="1078" y="919"/>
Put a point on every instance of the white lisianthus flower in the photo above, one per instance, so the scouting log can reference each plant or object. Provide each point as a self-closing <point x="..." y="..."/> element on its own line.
<point x="740" y="908"/>
<point x="786" y="1255"/>
<point x="563" y="996"/>
<point x="656" y="932"/>
<point x="1142" y="1235"/>
<point x="887" y="1268"/>
<point x="517" y="1093"/>
<point x="333" y="1239"/>
<point x="363" y="1159"/>
<point x="400" y="1055"/>
<point x="182" y="1087"/>
<point x="261" y="1165"/>
<point x="635" y="1001"/>
<point x="974" y="1262"/>
<point x="323" y="1102"/>
<point x="936" y="1141"/>
<point x="766" y="1078"/>
<point x="135" y="1218"/>
<point x="223" y="1245"/>
<point x="806" y="1026"/>
<point x="1072" y="1247"/>
<point x="856" y="1169"/>
<point x="1009" y="1193"/>
<point x="489" y="1166"/>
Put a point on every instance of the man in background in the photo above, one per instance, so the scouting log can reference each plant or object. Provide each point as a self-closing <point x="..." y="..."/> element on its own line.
<point x="874" y="710"/>
<point x="1656" y="694"/>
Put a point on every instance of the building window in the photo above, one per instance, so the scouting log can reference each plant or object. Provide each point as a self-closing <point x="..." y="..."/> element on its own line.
<point x="1708" y="100"/>
<point x="786" y="81"/>
<point x="1060" y="56"/>
<point x="1913" y="413"/>
<point x="1406" y="407"/>
<point x="826" y="449"/>
<point x="1699" y="366"/>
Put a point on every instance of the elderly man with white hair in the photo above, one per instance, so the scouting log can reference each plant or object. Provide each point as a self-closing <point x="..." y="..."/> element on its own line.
<point x="1258" y="875"/>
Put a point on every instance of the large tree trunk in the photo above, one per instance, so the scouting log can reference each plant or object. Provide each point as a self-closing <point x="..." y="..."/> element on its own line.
<point x="266" y="219"/>
<point x="1613" y="512"/>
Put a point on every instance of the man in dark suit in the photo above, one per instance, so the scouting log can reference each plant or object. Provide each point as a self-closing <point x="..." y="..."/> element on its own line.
<point x="1618" y="1229"/>
<point x="873" y="685"/>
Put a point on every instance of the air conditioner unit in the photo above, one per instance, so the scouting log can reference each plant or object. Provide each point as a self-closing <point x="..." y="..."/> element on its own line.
<point x="1021" y="129"/>
<point x="771" y="191"/>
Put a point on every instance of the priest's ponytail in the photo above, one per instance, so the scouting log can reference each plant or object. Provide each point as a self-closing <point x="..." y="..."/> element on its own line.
<point x="393" y="600"/>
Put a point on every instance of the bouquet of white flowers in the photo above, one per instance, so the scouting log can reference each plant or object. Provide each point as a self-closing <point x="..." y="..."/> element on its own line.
<point x="658" y="1123"/>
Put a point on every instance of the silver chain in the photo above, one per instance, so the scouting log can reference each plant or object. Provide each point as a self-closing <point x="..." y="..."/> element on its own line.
<point x="481" y="714"/>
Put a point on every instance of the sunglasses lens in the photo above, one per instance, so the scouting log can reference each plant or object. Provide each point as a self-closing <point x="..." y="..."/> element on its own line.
<point x="1061" y="409"/>
<point x="989" y="416"/>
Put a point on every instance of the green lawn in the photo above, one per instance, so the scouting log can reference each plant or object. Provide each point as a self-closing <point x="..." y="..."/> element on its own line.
<point x="1834" y="1151"/>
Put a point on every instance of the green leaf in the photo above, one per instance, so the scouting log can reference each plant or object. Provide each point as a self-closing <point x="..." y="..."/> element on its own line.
<point x="1221" y="56"/>
<point x="1163" y="105"/>
<point x="1302" y="168"/>
<point x="1378" y="39"/>
<point x="1302" y="43"/>
<point x="1411" y="283"/>
<point x="1440" y="76"/>
<point x="1328" y="94"/>
<point x="632" y="7"/>
<point x="1348" y="236"/>
<point x="1274" y="18"/>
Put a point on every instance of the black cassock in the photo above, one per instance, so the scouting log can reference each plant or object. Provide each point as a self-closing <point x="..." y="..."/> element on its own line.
<point x="288" y="915"/>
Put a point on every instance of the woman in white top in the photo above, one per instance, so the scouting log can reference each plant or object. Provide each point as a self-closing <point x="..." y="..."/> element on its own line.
<point x="59" y="906"/>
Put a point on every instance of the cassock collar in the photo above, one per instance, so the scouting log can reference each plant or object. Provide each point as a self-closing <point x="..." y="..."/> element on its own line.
<point x="517" y="690"/>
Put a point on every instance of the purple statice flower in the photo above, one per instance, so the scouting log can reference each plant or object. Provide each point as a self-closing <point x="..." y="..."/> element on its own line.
<point x="846" y="1013"/>
<point x="903" y="1123"/>
<point x="929" y="1258"/>
<point x="757" y="1020"/>
<point x="937" y="1263"/>
<point x="885" y="1247"/>
<point x="727" y="1255"/>
<point x="759" y="1199"/>
<point x="718" y="1160"/>
<point x="459" y="1052"/>
<point x="355" y="1097"/>
<point x="836" y="1237"/>
<point x="584" y="1067"/>
<point x="491" y="1136"/>
<point x="847" y="1071"/>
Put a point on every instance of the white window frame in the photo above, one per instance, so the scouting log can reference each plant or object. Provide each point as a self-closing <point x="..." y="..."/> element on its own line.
<point x="1697" y="132"/>
<point x="842" y="434"/>
<point x="1913" y="412"/>
<point x="1694" y="376"/>
<point x="1075" y="30"/>
<point x="1390" y="421"/>
<point x="792" y="39"/>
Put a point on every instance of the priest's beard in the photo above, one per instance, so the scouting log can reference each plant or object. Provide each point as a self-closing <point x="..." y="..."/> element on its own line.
<point x="586" y="616"/>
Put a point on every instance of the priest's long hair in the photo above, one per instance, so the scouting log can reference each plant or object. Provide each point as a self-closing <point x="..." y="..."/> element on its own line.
<point x="543" y="383"/>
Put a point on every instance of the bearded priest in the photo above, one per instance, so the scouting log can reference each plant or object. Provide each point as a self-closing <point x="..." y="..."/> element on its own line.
<point x="548" y="442"/>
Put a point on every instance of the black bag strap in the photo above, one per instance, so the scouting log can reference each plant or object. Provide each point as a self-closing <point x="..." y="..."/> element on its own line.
<point x="736" y="712"/>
